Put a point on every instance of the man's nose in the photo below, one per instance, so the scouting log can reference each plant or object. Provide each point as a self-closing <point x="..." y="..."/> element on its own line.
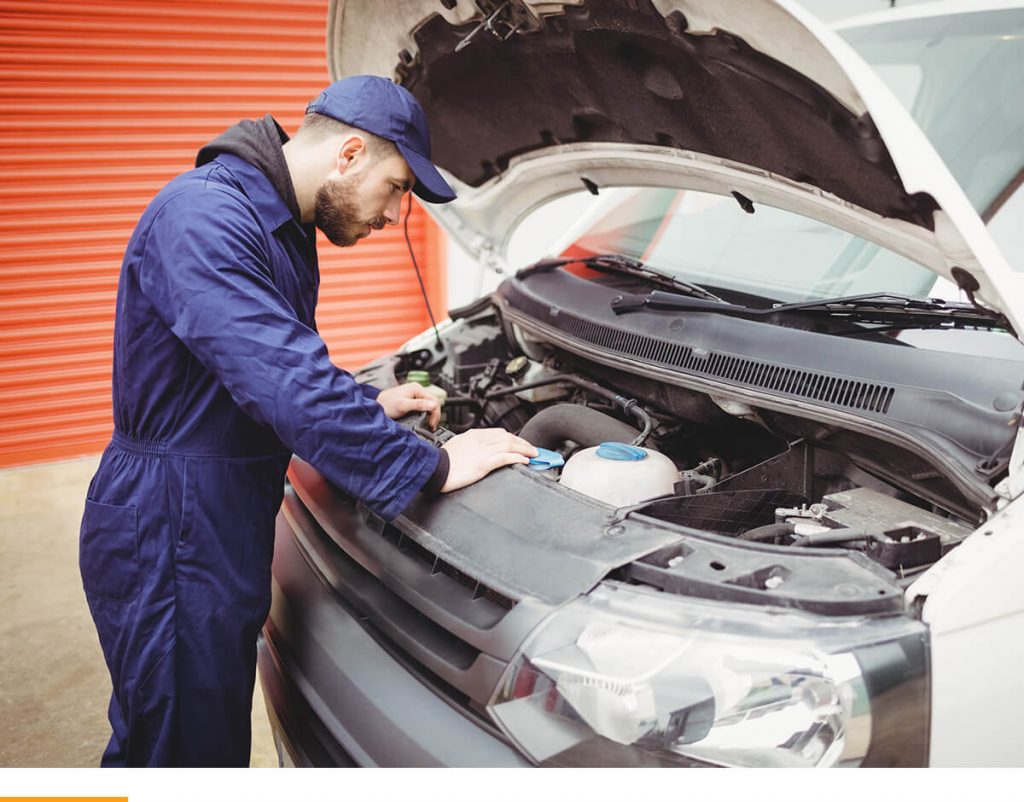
<point x="393" y="211"/>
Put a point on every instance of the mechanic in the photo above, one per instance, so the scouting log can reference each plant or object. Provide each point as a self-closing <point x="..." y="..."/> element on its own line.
<point x="219" y="377"/>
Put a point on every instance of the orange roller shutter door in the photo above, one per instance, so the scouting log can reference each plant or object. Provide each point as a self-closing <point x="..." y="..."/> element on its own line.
<point x="100" y="104"/>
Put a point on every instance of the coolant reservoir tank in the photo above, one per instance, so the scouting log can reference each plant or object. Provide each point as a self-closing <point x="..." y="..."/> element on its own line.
<point x="620" y="474"/>
<point x="422" y="378"/>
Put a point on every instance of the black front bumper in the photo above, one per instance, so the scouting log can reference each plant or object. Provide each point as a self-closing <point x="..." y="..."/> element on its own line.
<point x="336" y="696"/>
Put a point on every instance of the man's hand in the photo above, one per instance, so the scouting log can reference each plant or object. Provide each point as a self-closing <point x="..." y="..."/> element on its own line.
<point x="411" y="397"/>
<point x="474" y="454"/>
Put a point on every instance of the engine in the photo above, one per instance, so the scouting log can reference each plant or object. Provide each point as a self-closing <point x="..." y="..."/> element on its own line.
<point x="697" y="461"/>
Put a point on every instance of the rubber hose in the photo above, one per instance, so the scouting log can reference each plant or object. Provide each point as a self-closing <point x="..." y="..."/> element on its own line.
<point x="628" y="405"/>
<point x="588" y="427"/>
<point x="770" y="532"/>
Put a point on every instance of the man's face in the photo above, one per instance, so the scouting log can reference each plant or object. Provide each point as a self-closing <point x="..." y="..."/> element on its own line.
<point x="367" y="196"/>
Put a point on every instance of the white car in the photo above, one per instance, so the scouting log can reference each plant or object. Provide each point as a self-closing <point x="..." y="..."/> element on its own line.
<point x="778" y="521"/>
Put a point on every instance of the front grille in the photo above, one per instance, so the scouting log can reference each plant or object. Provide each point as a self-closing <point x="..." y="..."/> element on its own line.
<point x="453" y="631"/>
<point x="407" y="545"/>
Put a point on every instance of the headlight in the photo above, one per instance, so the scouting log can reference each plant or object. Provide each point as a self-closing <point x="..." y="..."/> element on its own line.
<point x="628" y="676"/>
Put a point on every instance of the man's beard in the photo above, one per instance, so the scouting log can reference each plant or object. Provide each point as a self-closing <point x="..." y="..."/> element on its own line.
<point x="337" y="213"/>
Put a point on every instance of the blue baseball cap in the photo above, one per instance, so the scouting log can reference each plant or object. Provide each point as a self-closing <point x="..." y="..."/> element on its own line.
<point x="382" y="107"/>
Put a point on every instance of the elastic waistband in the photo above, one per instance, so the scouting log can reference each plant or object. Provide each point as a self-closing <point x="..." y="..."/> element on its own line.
<point x="161" y="448"/>
<point x="129" y="443"/>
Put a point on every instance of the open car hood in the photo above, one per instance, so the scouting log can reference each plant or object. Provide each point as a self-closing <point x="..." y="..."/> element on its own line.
<point x="750" y="96"/>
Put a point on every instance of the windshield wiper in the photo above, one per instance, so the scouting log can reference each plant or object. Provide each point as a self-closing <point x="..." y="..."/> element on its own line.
<point x="883" y="308"/>
<point x="617" y="263"/>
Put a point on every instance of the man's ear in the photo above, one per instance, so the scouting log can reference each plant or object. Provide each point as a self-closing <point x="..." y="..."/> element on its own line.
<point x="351" y="149"/>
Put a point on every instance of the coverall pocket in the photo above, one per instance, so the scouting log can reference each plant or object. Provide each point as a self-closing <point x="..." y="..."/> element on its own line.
<point x="108" y="553"/>
<point x="187" y="492"/>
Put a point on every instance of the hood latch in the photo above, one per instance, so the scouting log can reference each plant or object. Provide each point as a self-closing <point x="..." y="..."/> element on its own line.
<point x="501" y="20"/>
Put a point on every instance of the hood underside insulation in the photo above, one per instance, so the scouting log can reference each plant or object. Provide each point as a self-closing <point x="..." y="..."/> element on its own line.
<point x="608" y="72"/>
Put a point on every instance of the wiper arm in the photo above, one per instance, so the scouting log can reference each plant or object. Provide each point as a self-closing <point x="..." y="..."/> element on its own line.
<point x="868" y="308"/>
<point x="656" y="299"/>
<point x="875" y="307"/>
<point x="878" y="301"/>
<point x="893" y="308"/>
<point x="618" y="263"/>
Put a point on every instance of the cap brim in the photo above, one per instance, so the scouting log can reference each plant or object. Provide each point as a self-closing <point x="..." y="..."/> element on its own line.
<point x="429" y="184"/>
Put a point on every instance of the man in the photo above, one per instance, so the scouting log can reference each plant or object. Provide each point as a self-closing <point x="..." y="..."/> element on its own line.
<point x="219" y="376"/>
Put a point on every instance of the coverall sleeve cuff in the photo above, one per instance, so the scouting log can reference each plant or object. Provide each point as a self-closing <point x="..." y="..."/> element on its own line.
<point x="416" y="482"/>
<point x="440" y="474"/>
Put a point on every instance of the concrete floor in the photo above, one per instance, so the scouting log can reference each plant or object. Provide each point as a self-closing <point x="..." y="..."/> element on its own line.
<point x="54" y="686"/>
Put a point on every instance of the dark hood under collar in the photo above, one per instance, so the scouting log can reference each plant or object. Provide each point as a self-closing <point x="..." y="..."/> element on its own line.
<point x="259" y="143"/>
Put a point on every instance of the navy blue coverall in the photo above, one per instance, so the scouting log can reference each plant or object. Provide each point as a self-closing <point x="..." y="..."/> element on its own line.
<point x="219" y="376"/>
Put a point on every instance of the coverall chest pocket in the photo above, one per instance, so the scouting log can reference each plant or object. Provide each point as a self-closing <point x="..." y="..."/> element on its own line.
<point x="108" y="553"/>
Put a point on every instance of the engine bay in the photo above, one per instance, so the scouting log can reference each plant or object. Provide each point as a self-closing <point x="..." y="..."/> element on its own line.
<point x="735" y="471"/>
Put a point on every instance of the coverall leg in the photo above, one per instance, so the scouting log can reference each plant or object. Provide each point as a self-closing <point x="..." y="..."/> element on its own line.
<point x="178" y="582"/>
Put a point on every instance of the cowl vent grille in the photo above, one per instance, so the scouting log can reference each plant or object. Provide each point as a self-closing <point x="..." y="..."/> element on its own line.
<point x="822" y="387"/>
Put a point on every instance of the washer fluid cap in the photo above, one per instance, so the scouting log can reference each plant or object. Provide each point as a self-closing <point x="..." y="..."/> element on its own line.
<point x="621" y="452"/>
<point x="546" y="459"/>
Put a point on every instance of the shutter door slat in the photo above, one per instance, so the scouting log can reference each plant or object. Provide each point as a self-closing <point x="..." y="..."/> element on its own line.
<point x="100" y="104"/>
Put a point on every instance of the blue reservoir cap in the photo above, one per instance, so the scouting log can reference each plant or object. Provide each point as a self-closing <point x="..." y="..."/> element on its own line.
<point x="546" y="459"/>
<point x="621" y="452"/>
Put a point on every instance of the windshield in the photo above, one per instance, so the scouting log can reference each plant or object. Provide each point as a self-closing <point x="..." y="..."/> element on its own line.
<point x="772" y="253"/>
<point x="962" y="78"/>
